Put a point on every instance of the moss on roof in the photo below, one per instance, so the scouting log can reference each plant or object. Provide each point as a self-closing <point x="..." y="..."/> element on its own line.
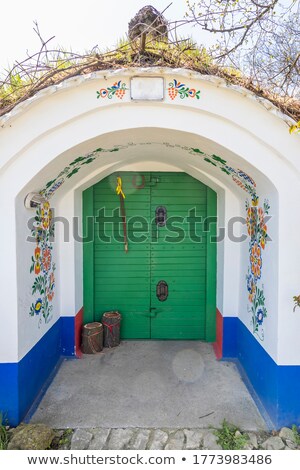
<point x="35" y="74"/>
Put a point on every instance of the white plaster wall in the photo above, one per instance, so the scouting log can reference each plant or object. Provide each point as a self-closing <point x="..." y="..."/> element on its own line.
<point x="227" y="121"/>
<point x="8" y="276"/>
<point x="30" y="328"/>
<point x="268" y="332"/>
<point x="289" y="276"/>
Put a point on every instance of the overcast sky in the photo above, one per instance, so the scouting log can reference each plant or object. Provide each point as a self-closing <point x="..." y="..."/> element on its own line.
<point x="79" y="25"/>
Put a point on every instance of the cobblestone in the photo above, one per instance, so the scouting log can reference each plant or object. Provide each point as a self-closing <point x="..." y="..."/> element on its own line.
<point x="141" y="440"/>
<point x="173" y="439"/>
<point x="273" y="443"/>
<point x="81" y="439"/>
<point x="210" y="441"/>
<point x="119" y="439"/>
<point x="193" y="438"/>
<point x="99" y="439"/>
<point x="176" y="441"/>
<point x="287" y="434"/>
<point x="159" y="440"/>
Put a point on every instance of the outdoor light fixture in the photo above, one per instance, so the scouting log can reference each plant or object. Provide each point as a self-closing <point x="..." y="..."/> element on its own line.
<point x="33" y="200"/>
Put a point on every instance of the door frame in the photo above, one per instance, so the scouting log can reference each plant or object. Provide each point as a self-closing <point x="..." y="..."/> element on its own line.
<point x="211" y="267"/>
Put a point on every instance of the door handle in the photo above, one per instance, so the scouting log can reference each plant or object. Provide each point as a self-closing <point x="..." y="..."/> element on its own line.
<point x="162" y="291"/>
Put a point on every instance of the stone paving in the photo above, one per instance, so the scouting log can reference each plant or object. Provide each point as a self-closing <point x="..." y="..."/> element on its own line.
<point x="172" y="439"/>
<point x="40" y="436"/>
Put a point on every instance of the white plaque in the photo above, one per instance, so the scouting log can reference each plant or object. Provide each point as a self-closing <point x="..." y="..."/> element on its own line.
<point x="147" y="88"/>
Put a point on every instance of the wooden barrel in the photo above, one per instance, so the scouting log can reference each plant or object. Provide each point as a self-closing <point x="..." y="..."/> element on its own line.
<point x="111" y="322"/>
<point x="92" y="338"/>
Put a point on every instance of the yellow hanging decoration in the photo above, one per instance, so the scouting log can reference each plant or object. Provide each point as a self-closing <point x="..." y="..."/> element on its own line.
<point x="119" y="189"/>
<point x="295" y="128"/>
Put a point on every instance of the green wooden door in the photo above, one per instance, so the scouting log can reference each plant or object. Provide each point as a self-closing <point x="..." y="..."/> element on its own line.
<point x="179" y="253"/>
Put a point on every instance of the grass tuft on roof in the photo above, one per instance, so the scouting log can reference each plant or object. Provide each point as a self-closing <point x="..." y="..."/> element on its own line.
<point x="51" y="67"/>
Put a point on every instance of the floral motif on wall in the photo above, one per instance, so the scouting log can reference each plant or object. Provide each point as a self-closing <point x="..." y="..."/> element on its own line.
<point x="258" y="237"/>
<point x="117" y="90"/>
<point x="42" y="265"/>
<point x="180" y="89"/>
<point x="241" y="178"/>
<point x="73" y="168"/>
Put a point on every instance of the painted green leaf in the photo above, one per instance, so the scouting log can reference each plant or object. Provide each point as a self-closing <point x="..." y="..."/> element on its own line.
<point x="73" y="172"/>
<point x="89" y="160"/>
<point x="78" y="159"/>
<point x="209" y="161"/>
<point x="219" y="159"/>
<point x="50" y="183"/>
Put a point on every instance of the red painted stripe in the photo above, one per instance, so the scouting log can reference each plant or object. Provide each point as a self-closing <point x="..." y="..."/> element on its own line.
<point x="219" y="336"/>
<point x="78" y="326"/>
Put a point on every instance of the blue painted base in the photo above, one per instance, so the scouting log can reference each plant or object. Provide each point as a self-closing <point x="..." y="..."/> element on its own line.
<point x="68" y="336"/>
<point x="277" y="387"/>
<point x="22" y="383"/>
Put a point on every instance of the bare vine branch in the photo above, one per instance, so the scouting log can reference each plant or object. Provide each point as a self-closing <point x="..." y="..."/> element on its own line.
<point x="52" y="65"/>
<point x="261" y="37"/>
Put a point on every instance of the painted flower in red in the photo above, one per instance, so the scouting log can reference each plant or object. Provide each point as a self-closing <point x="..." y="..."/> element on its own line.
<point x="256" y="261"/>
<point x="261" y="216"/>
<point x="252" y="292"/>
<point x="103" y="92"/>
<point x="251" y="221"/>
<point x="50" y="295"/>
<point x="50" y="288"/>
<point x="192" y="92"/>
<point x="46" y="260"/>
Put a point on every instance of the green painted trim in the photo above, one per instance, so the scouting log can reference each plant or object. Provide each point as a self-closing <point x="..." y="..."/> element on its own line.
<point x="88" y="258"/>
<point x="211" y="269"/>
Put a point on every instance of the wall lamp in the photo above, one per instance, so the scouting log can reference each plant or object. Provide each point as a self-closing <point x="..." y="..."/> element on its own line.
<point x="34" y="200"/>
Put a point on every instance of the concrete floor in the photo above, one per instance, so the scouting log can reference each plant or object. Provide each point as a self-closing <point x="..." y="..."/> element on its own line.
<point x="166" y="384"/>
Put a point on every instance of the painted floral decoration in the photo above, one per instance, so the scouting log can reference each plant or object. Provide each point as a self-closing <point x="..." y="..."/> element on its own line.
<point x="260" y="316"/>
<point x="258" y="237"/>
<point x="36" y="260"/>
<point x="180" y="89"/>
<point x="37" y="306"/>
<point x="118" y="89"/>
<point x="256" y="261"/>
<point x="42" y="264"/>
<point x="241" y="178"/>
